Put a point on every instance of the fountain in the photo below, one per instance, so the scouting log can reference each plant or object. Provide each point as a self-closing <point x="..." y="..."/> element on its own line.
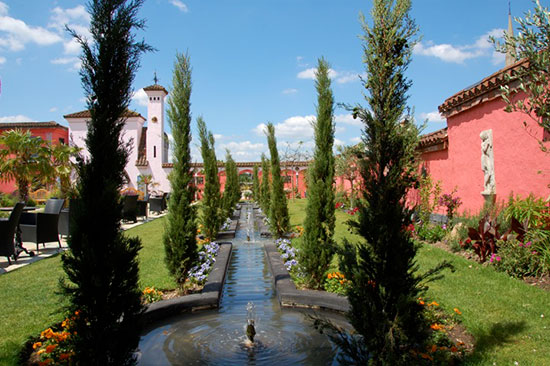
<point x="250" y="322"/>
<point x="272" y="335"/>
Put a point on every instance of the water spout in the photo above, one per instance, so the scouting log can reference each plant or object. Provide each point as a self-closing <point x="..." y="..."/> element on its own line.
<point x="250" y="321"/>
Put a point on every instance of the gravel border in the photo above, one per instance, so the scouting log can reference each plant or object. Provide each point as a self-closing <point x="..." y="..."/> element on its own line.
<point x="289" y="296"/>
<point x="209" y="298"/>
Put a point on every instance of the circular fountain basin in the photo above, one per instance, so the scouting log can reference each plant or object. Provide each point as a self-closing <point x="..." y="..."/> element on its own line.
<point x="218" y="337"/>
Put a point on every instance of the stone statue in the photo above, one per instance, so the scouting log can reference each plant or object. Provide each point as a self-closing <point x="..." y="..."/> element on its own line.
<point x="487" y="162"/>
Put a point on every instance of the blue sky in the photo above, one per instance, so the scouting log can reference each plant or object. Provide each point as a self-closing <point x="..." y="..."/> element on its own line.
<point x="252" y="61"/>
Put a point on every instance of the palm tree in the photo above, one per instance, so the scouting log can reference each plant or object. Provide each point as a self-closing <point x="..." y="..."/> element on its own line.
<point x="24" y="158"/>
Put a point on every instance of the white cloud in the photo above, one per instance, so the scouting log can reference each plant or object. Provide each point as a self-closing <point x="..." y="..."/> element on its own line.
<point x="53" y="109"/>
<point x="218" y="136"/>
<point x="290" y="91"/>
<point x="355" y="140"/>
<point x="347" y="119"/>
<point x="17" y="118"/>
<point x="61" y="17"/>
<point x="341" y="77"/>
<point x="2" y="60"/>
<point x="338" y="142"/>
<point x="243" y="146"/>
<point x="432" y="117"/>
<point x="310" y="73"/>
<point x="141" y="98"/>
<point x="458" y="54"/>
<point x="3" y="9"/>
<point x="74" y="62"/>
<point x="297" y="127"/>
<point x="180" y="5"/>
<point x="15" y="34"/>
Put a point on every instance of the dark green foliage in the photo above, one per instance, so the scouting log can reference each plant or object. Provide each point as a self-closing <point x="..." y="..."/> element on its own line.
<point x="180" y="243"/>
<point x="101" y="265"/>
<point x="211" y="201"/>
<point x="232" y="193"/>
<point x="265" y="187"/>
<point x="278" y="210"/>
<point x="255" y="184"/>
<point x="385" y="282"/>
<point x="318" y="245"/>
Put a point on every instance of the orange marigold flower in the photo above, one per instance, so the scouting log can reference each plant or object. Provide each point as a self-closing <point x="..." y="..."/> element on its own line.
<point x="341" y="282"/>
<point x="421" y="302"/>
<point x="433" y="303"/>
<point x="40" y="351"/>
<point x="426" y="356"/>
<point x="65" y="323"/>
<point x="437" y="326"/>
<point x="50" y="348"/>
<point x="37" y="345"/>
<point x="460" y="343"/>
<point x="433" y="349"/>
<point x="65" y="356"/>
<point x="77" y="313"/>
<point x="457" y="311"/>
<point x="329" y="276"/>
<point x="48" y="333"/>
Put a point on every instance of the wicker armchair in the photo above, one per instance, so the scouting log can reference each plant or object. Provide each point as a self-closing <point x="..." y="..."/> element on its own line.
<point x="7" y="232"/>
<point x="42" y="227"/>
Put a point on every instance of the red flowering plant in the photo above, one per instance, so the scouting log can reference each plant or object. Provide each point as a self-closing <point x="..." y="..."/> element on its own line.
<point x="451" y="203"/>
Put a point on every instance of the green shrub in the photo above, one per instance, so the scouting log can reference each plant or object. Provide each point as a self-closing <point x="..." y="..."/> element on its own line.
<point x="7" y="200"/>
<point x="431" y="232"/>
<point x="517" y="259"/>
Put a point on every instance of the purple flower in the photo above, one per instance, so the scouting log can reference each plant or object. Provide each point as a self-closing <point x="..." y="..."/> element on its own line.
<point x="528" y="244"/>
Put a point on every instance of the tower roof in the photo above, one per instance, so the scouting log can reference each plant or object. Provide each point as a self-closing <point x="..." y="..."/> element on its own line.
<point x="87" y="114"/>
<point x="155" y="87"/>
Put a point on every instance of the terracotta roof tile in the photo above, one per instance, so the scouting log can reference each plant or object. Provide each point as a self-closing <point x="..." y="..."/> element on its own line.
<point x="486" y="89"/>
<point x="249" y="164"/>
<point x="86" y="114"/>
<point x="155" y="87"/>
<point x="12" y="125"/>
<point x="434" y="141"/>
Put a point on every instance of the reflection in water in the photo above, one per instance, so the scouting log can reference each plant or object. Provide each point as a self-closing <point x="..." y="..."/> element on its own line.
<point x="216" y="337"/>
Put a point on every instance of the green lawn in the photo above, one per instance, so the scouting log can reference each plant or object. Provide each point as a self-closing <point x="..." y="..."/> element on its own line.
<point x="503" y="314"/>
<point x="29" y="302"/>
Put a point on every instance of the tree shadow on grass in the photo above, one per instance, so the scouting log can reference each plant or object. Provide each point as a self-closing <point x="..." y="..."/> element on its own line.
<point x="496" y="336"/>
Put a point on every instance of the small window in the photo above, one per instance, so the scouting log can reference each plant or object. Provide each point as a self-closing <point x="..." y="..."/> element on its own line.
<point x="154" y="151"/>
<point x="62" y="141"/>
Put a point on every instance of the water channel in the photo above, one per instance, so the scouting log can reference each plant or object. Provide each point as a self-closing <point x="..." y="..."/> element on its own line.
<point x="217" y="337"/>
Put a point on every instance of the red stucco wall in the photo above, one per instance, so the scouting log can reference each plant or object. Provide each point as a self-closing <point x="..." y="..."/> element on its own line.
<point x="517" y="156"/>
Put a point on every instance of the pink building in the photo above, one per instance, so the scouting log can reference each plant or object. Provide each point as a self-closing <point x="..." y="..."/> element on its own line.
<point x="457" y="156"/>
<point x="149" y="144"/>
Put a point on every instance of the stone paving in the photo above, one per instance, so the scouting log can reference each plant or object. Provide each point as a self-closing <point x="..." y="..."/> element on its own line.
<point x="53" y="248"/>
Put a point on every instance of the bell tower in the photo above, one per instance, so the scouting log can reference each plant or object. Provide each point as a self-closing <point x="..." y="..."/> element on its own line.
<point x="155" y="123"/>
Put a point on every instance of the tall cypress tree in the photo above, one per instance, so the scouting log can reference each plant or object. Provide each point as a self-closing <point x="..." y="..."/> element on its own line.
<point x="279" y="219"/>
<point x="101" y="265"/>
<point x="180" y="243"/>
<point x="318" y="245"/>
<point x="385" y="280"/>
<point x="211" y="201"/>
<point x="265" y="187"/>
<point x="255" y="184"/>
<point x="232" y="192"/>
